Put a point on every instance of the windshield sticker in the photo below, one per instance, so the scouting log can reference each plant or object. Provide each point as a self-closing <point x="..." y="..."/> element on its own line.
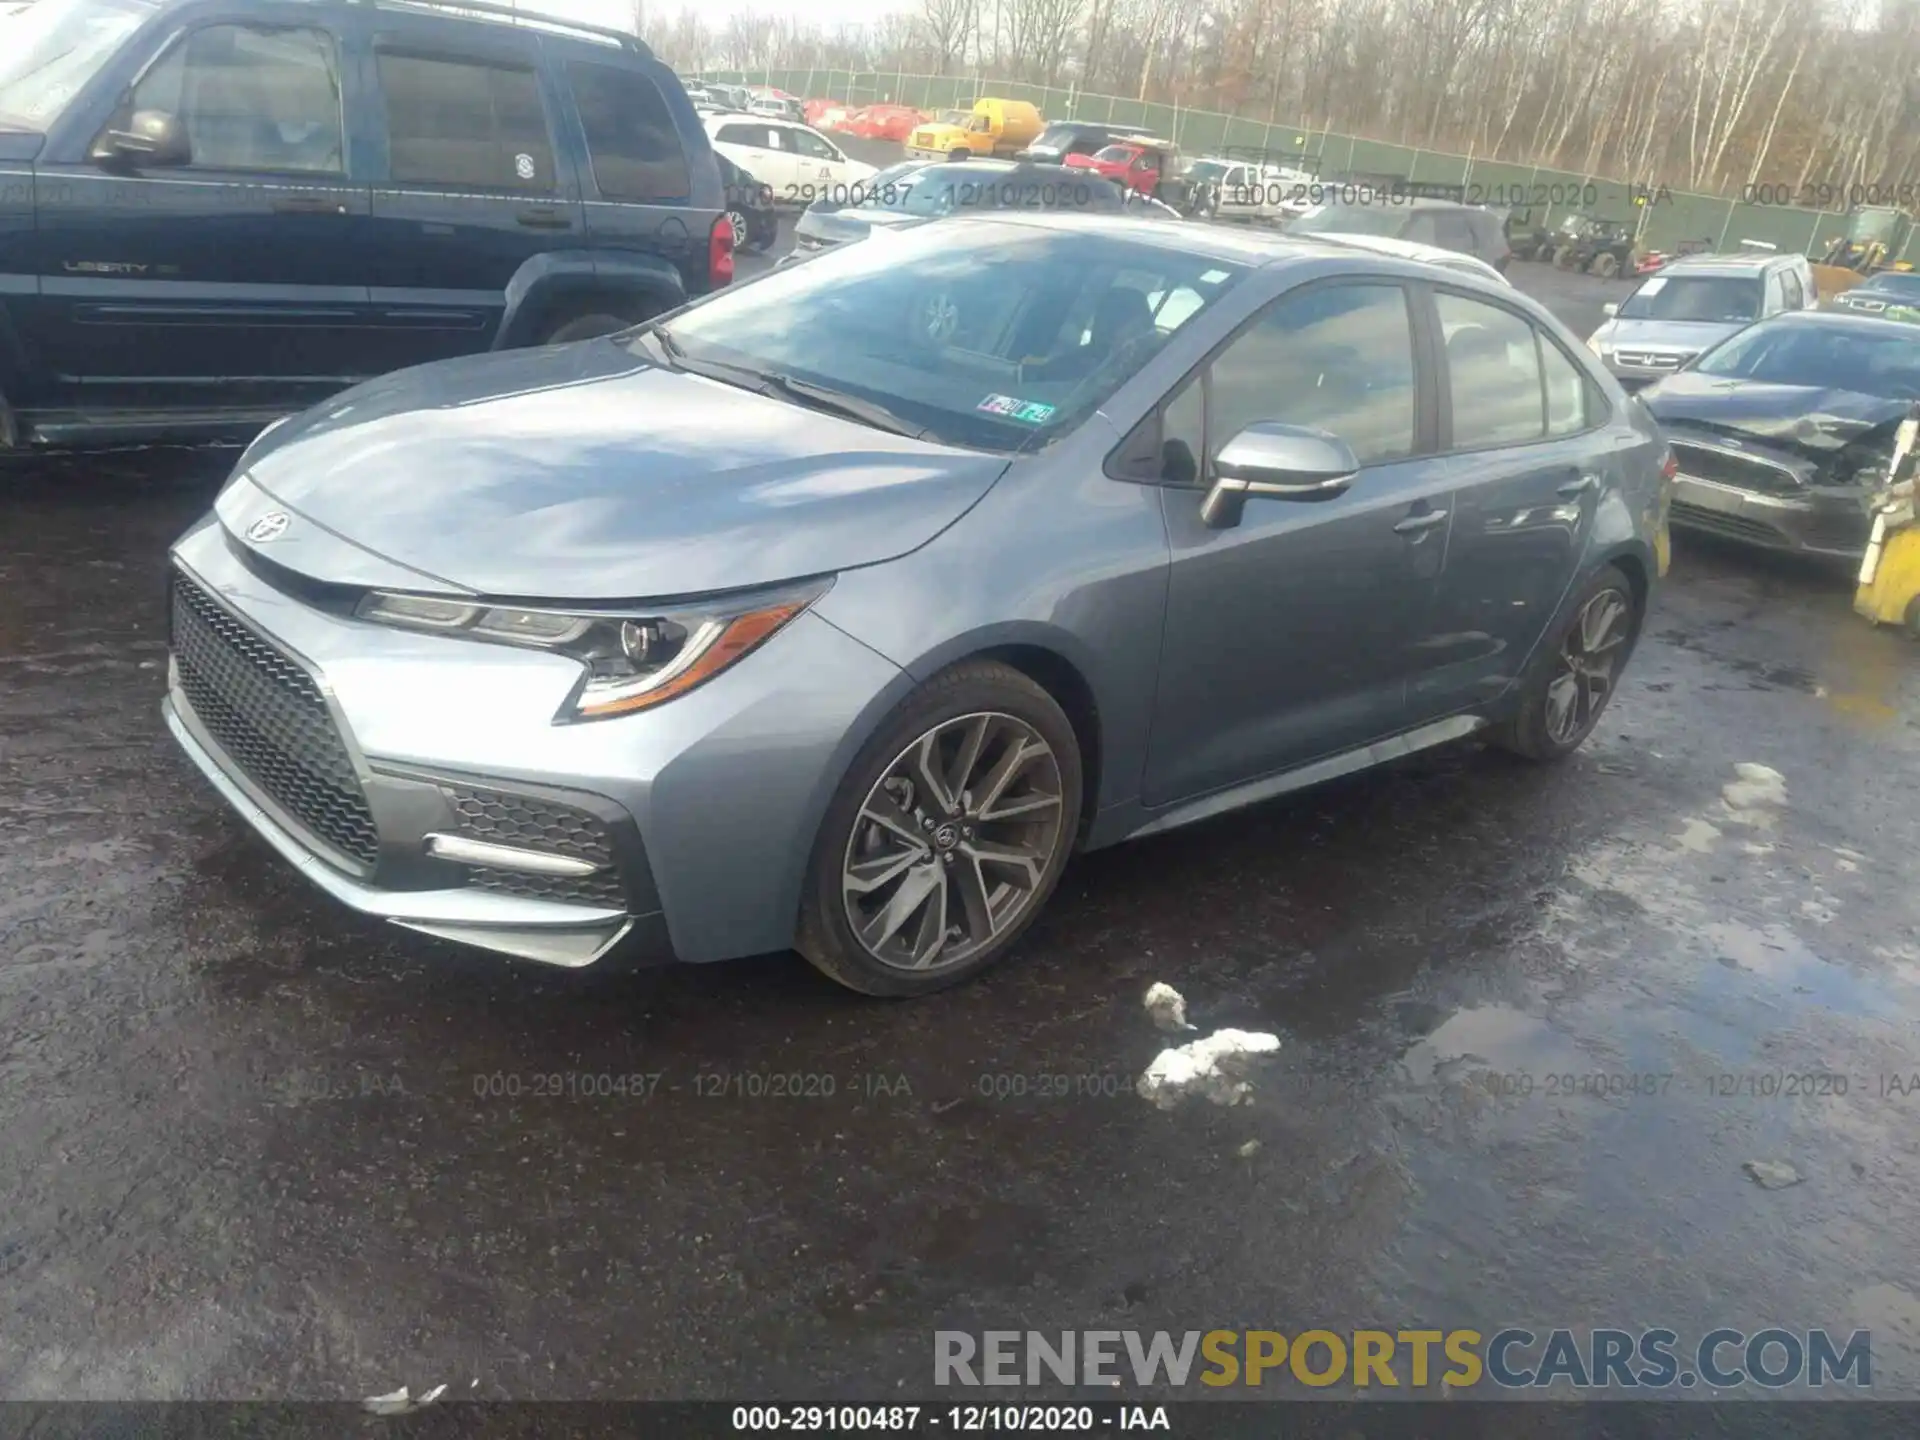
<point x="1031" y="412"/>
<point x="1654" y="286"/>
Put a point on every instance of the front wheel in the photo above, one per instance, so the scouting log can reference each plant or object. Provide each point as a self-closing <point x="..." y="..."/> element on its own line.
<point x="1606" y="265"/>
<point x="946" y="837"/>
<point x="1573" y="676"/>
<point x="1562" y="257"/>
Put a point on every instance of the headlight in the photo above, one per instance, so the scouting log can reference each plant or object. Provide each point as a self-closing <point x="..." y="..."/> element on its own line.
<point x="634" y="659"/>
<point x="1593" y="344"/>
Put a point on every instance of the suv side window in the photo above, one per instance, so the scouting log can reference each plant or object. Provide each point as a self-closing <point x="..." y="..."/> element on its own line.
<point x="812" y="146"/>
<point x="1493" y="372"/>
<point x="1419" y="227"/>
<point x="1339" y="357"/>
<point x="253" y="98"/>
<point x="632" y="147"/>
<point x="478" y="123"/>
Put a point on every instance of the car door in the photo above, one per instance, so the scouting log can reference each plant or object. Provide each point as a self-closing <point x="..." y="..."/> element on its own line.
<point x="470" y="185"/>
<point x="1289" y="636"/>
<point x="1525" y="478"/>
<point x="818" y="162"/>
<point x="754" y="146"/>
<point x="237" y="279"/>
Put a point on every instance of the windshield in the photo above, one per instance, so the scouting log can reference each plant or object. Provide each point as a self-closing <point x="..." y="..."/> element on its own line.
<point x="962" y="118"/>
<point x="1896" y="285"/>
<point x="1720" y="298"/>
<point x="1058" y="137"/>
<point x="1116" y="154"/>
<point x="1795" y="351"/>
<point x="1014" y="337"/>
<point x="53" y="48"/>
<point x="1384" y="220"/>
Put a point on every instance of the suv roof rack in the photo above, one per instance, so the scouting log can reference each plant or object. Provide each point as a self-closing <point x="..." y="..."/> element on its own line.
<point x="494" y="10"/>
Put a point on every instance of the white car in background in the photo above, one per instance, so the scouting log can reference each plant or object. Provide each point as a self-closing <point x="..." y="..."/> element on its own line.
<point x="796" y="162"/>
<point x="1415" y="250"/>
<point x="1242" y="190"/>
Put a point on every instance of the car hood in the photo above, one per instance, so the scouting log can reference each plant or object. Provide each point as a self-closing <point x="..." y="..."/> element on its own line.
<point x="1687" y="337"/>
<point x="1810" y="421"/>
<point x="582" y="472"/>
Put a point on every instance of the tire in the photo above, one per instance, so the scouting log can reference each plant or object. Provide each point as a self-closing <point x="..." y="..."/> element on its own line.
<point x="1536" y="731"/>
<point x="742" y="229"/>
<point x="589" y="326"/>
<point x="1562" y="257"/>
<point x="960" y="152"/>
<point x="866" y="872"/>
<point x="1606" y="265"/>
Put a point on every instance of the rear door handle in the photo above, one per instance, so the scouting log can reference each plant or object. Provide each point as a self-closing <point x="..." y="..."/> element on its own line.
<point x="1581" y="486"/>
<point x="543" y="217"/>
<point x="1419" y="524"/>
<point x="308" y="205"/>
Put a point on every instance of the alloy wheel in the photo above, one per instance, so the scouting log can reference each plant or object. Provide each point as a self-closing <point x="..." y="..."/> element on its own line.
<point x="953" y="842"/>
<point x="738" y="220"/>
<point x="1589" y="660"/>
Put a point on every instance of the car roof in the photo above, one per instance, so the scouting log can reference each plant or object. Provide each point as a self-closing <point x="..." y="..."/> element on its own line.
<point x="1845" y="322"/>
<point x="1237" y="244"/>
<point x="1410" y="250"/>
<point x="1730" y="264"/>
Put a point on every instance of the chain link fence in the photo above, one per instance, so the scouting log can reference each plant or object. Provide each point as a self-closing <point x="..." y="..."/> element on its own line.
<point x="1663" y="218"/>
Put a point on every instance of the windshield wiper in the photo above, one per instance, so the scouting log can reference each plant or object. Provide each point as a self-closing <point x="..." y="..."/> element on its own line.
<point x="821" y="397"/>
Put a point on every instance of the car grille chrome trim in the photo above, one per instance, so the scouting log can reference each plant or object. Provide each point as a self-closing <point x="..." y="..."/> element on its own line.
<point x="502" y="819"/>
<point x="1650" y="359"/>
<point x="271" y="721"/>
<point x="1742" y="472"/>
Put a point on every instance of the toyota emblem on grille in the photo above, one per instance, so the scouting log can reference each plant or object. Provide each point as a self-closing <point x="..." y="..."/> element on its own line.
<point x="270" y="526"/>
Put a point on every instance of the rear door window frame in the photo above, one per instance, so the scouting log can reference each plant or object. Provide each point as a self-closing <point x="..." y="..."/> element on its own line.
<point x="1596" y="409"/>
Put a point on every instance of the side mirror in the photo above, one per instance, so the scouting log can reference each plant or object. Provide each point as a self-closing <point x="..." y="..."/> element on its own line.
<point x="1610" y="309"/>
<point x="1278" y="462"/>
<point x="151" y="137"/>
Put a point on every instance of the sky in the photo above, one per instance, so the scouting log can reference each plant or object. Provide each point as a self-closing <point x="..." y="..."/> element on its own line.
<point x="827" y="14"/>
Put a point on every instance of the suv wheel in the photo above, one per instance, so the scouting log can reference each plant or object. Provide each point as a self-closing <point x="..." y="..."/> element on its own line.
<point x="1606" y="265"/>
<point x="1572" y="677"/>
<point x="587" y="326"/>
<point x="946" y="837"/>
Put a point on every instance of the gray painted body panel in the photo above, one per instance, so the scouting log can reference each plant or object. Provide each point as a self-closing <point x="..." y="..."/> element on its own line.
<point x="1220" y="666"/>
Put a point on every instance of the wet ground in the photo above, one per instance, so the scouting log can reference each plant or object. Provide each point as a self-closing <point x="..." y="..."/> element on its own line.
<point x="1533" y="1024"/>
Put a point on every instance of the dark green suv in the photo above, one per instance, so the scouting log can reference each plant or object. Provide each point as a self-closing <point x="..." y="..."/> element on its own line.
<point x="213" y="212"/>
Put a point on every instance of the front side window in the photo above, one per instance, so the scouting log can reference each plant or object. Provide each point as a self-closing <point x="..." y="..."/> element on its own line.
<point x="812" y="146"/>
<point x="1493" y="371"/>
<point x="1338" y="358"/>
<point x="632" y="146"/>
<point x="252" y="98"/>
<point x="465" y="122"/>
<point x="53" y="48"/>
<point x="1116" y="154"/>
<point x="999" y="344"/>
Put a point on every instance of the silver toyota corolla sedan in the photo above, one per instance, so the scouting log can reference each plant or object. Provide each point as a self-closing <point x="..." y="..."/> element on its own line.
<point x="833" y="612"/>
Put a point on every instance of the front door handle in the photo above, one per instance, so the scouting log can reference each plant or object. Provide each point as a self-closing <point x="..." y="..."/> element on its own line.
<point x="1421" y="523"/>
<point x="1575" y="488"/>
<point x="543" y="217"/>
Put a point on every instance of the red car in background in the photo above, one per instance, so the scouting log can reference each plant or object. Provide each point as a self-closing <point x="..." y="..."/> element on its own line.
<point x="1135" y="163"/>
<point x="827" y="114"/>
<point x="883" y="122"/>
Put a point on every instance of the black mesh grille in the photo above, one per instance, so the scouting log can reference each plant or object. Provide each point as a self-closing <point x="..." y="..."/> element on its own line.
<point x="1740" y="471"/>
<point x="269" y="717"/>
<point x="528" y="823"/>
<point x="603" y="890"/>
<point x="1719" y="522"/>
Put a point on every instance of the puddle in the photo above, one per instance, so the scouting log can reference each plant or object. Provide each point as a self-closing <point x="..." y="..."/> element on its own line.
<point x="1495" y="1037"/>
<point x="1775" y="954"/>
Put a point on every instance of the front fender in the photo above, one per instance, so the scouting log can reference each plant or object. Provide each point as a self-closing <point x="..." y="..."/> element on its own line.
<point x="562" y="278"/>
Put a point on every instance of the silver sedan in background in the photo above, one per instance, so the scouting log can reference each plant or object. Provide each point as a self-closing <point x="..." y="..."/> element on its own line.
<point x="835" y="613"/>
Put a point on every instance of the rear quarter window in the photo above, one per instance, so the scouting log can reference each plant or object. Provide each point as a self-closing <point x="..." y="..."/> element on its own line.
<point x="632" y="145"/>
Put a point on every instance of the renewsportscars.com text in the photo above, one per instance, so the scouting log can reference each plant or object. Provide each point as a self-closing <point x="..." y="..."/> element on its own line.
<point x="1513" y="1358"/>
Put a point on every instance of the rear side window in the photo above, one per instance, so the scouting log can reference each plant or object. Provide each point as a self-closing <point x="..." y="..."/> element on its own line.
<point x="465" y="122"/>
<point x="632" y="145"/>
<point x="758" y="136"/>
<point x="1452" y="232"/>
<point x="1493" y="368"/>
<point x="1567" y="388"/>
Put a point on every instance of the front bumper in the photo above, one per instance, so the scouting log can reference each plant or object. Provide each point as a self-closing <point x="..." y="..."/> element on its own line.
<point x="412" y="749"/>
<point x="1829" y="525"/>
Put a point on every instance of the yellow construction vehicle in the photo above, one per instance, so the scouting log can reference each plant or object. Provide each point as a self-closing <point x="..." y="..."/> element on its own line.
<point x="1889" y="589"/>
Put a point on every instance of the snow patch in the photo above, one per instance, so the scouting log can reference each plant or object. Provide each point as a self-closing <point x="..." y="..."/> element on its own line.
<point x="1213" y="1068"/>
<point x="1755" y="787"/>
<point x="1168" y="1007"/>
